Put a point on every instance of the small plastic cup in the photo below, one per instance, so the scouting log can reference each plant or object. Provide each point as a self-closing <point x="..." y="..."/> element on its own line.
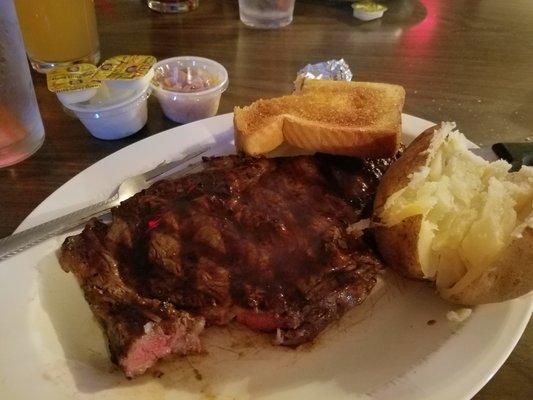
<point x="115" y="121"/>
<point x="76" y="96"/>
<point x="188" y="106"/>
<point x="131" y="84"/>
<point x="266" y="14"/>
<point x="368" y="11"/>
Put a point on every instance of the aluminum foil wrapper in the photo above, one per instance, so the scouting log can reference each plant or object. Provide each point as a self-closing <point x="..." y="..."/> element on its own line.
<point x="337" y="70"/>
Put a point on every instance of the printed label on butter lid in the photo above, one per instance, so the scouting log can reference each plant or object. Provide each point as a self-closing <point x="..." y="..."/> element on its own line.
<point x="72" y="77"/>
<point x="125" y="67"/>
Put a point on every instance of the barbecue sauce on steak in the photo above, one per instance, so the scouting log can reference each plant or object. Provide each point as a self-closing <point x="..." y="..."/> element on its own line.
<point x="262" y="241"/>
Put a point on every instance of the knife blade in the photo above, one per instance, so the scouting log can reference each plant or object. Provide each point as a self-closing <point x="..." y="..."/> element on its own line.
<point x="20" y="241"/>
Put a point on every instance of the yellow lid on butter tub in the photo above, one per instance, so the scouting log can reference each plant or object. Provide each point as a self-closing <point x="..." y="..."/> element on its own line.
<point x="126" y="71"/>
<point x="72" y="77"/>
<point x="73" y="83"/>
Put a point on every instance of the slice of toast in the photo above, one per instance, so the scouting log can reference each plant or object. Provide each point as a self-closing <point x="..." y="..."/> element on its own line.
<point x="361" y="119"/>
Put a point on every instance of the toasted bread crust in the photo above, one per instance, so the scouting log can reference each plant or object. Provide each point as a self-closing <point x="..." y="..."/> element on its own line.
<point x="349" y="118"/>
<point x="363" y="142"/>
<point x="262" y="140"/>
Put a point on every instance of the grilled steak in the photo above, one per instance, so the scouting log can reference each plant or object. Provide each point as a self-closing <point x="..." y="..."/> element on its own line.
<point x="261" y="241"/>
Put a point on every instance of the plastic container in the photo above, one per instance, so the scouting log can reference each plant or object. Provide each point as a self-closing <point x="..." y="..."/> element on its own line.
<point x="128" y="72"/>
<point x="109" y="100"/>
<point x="116" y="120"/>
<point x="76" y="96"/>
<point x="368" y="11"/>
<point x="194" y="104"/>
<point x="134" y="84"/>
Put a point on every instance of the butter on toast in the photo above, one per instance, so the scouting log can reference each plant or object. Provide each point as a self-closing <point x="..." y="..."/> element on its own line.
<point x="361" y="119"/>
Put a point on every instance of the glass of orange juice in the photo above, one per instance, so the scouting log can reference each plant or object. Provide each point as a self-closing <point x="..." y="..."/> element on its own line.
<point x="58" y="32"/>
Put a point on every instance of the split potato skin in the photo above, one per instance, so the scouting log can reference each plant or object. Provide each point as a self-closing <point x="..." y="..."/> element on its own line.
<point x="508" y="277"/>
<point x="398" y="245"/>
<point x="397" y="176"/>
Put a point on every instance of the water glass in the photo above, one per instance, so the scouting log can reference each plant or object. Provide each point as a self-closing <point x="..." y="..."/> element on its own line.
<point x="173" y="6"/>
<point x="266" y="14"/>
<point x="21" y="127"/>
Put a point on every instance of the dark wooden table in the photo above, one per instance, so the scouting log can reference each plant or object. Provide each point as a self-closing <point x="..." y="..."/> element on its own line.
<point x="469" y="61"/>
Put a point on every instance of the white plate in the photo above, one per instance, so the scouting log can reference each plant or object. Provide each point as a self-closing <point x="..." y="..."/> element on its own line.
<point x="52" y="348"/>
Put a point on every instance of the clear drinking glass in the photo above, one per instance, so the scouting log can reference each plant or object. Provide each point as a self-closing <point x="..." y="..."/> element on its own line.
<point x="266" y="14"/>
<point x="173" y="6"/>
<point x="58" y="32"/>
<point x="21" y="127"/>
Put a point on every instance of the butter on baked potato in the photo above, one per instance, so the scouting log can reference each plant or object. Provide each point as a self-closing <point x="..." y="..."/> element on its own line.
<point x="444" y="214"/>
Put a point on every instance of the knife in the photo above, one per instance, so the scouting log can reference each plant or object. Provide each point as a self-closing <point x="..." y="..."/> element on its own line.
<point x="516" y="154"/>
<point x="17" y="242"/>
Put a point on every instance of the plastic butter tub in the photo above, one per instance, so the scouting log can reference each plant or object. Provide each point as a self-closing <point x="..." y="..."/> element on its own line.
<point x="126" y="71"/>
<point x="189" y="88"/>
<point x="73" y="83"/>
<point x="111" y="120"/>
<point x="110" y="100"/>
<point x="368" y="10"/>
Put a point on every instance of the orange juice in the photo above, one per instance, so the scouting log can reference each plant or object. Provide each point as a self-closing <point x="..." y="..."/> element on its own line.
<point x="58" y="31"/>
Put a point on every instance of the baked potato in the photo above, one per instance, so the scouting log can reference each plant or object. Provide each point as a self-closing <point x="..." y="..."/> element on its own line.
<point x="444" y="214"/>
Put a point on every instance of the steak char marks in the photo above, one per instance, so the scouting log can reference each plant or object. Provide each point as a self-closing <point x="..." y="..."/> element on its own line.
<point x="261" y="241"/>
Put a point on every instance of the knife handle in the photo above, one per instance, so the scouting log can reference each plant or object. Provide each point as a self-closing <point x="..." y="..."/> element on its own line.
<point x="14" y="244"/>
<point x="517" y="154"/>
